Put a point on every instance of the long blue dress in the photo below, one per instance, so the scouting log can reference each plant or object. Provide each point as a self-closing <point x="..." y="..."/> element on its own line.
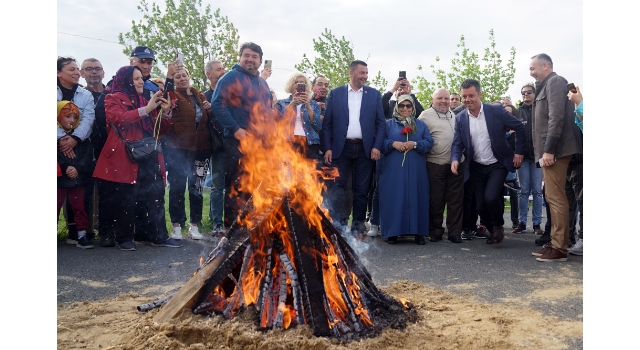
<point x="404" y="190"/>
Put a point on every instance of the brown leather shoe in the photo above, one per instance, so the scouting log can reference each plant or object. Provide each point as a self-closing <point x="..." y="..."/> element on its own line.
<point x="543" y="251"/>
<point x="552" y="255"/>
<point x="497" y="236"/>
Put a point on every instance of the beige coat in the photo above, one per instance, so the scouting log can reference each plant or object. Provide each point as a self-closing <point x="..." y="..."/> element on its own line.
<point x="554" y="129"/>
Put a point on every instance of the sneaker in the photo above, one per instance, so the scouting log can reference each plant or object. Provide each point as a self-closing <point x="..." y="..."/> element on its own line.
<point x="577" y="248"/>
<point x="542" y="251"/>
<point x="72" y="241"/>
<point x="522" y="227"/>
<point x="170" y="242"/>
<point x="552" y="255"/>
<point x="72" y="237"/>
<point x="84" y="243"/>
<point x="374" y="231"/>
<point x="128" y="245"/>
<point x="176" y="233"/>
<point x="106" y="240"/>
<point x="219" y="230"/>
<point x="193" y="231"/>
<point x="467" y="234"/>
<point x="514" y="225"/>
<point x="537" y="230"/>
<point x="481" y="232"/>
<point x="544" y="239"/>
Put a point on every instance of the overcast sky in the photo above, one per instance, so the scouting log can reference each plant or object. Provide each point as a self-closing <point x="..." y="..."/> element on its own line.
<point x="389" y="37"/>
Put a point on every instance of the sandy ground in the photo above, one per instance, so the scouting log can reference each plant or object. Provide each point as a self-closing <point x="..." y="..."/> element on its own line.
<point x="448" y="320"/>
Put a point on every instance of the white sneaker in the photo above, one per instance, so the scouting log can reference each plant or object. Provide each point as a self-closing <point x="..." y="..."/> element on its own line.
<point x="193" y="230"/>
<point x="577" y="248"/>
<point x="176" y="234"/>
<point x="374" y="231"/>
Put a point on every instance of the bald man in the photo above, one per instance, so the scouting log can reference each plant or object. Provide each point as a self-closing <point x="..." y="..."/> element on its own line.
<point x="445" y="186"/>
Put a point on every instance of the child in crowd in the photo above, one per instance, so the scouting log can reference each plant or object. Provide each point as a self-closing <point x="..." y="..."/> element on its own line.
<point x="75" y="171"/>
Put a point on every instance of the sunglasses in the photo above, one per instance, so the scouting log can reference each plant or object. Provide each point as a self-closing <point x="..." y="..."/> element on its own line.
<point x="528" y="92"/>
<point x="405" y="105"/>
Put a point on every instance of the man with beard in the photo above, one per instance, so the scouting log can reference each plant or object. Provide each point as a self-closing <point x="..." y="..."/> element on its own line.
<point x="445" y="186"/>
<point x="556" y="138"/>
<point x="479" y="133"/>
<point x="238" y="93"/>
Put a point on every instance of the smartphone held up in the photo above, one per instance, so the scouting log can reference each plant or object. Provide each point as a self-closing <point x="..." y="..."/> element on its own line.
<point x="301" y="87"/>
<point x="572" y="88"/>
<point x="267" y="64"/>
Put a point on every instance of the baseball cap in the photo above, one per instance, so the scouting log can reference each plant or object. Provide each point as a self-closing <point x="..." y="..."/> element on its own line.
<point x="143" y="52"/>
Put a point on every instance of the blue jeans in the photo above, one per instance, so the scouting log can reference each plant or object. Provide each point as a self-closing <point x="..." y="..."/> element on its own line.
<point x="216" y="200"/>
<point x="531" y="184"/>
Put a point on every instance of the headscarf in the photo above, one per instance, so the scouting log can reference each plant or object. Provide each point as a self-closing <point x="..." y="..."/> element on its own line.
<point x="410" y="120"/>
<point x="123" y="83"/>
<point x="65" y="108"/>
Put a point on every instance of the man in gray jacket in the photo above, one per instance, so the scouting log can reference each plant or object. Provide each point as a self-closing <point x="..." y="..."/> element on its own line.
<point x="555" y="141"/>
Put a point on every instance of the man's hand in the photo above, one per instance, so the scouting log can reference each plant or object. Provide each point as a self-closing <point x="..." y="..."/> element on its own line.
<point x="454" y="167"/>
<point x="517" y="160"/>
<point x="266" y="73"/>
<point x="240" y="134"/>
<point x="547" y="159"/>
<point x="328" y="156"/>
<point x="67" y="143"/>
<point x="72" y="172"/>
<point x="375" y="154"/>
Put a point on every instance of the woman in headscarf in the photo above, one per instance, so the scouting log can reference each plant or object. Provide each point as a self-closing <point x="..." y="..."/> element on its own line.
<point x="187" y="150"/>
<point x="403" y="183"/>
<point x="133" y="192"/>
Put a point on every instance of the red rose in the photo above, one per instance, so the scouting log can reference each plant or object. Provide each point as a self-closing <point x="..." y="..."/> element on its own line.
<point x="406" y="130"/>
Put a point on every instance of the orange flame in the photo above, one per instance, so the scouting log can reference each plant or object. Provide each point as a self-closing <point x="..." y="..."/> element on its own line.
<point x="404" y="302"/>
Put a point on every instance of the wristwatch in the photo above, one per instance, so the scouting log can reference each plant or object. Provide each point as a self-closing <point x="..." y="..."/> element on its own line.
<point x="415" y="145"/>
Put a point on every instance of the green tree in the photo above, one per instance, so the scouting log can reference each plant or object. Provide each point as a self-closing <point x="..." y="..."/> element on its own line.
<point x="200" y="35"/>
<point x="333" y="59"/>
<point x="492" y="75"/>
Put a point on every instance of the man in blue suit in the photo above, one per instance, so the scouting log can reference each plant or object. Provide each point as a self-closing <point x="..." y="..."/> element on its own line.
<point x="353" y="132"/>
<point x="480" y="134"/>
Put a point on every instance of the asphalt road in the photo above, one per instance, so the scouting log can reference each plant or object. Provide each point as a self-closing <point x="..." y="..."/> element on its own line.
<point x="494" y="273"/>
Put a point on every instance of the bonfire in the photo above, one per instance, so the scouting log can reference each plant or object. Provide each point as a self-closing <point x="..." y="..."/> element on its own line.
<point x="282" y="257"/>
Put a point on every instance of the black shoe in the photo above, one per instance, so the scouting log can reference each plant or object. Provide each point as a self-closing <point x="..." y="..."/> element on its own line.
<point x="544" y="239"/>
<point x="521" y="228"/>
<point x="84" y="243"/>
<point x="420" y="240"/>
<point x="170" y="242"/>
<point x="392" y="240"/>
<point x="434" y="238"/>
<point x="537" y="230"/>
<point x="514" y="224"/>
<point x="455" y="239"/>
<point x="106" y="240"/>
<point x="481" y="235"/>
<point x="467" y="234"/>
<point x="128" y="245"/>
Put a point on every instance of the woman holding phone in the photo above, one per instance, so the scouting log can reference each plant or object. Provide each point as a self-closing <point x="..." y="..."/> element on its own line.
<point x="303" y="112"/>
<point x="133" y="192"/>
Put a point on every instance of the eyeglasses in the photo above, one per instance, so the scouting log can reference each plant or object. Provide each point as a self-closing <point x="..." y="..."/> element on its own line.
<point x="91" y="69"/>
<point x="528" y="92"/>
<point x="405" y="105"/>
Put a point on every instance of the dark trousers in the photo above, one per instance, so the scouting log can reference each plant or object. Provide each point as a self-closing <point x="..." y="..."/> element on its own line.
<point x="445" y="188"/>
<point x="573" y="188"/>
<point x="234" y="200"/>
<point x="488" y="181"/>
<point x="353" y="160"/>
<point x="136" y="209"/>
<point x="180" y="164"/>
<point x="513" y="199"/>
<point x="75" y="201"/>
<point x="469" y="212"/>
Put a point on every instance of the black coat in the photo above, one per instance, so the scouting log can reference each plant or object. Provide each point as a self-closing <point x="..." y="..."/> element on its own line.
<point x="83" y="162"/>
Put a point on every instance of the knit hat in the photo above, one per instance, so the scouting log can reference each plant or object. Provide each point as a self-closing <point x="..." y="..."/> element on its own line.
<point x="65" y="108"/>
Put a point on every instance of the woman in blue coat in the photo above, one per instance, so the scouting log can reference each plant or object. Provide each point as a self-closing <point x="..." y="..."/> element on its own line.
<point x="404" y="183"/>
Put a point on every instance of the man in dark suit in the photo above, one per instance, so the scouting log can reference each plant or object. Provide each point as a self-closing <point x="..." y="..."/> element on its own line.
<point x="480" y="133"/>
<point x="353" y="132"/>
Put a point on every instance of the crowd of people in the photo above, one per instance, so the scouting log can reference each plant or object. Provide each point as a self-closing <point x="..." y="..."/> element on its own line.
<point x="399" y="165"/>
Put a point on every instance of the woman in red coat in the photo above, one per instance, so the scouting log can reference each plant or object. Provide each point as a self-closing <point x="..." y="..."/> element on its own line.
<point x="134" y="192"/>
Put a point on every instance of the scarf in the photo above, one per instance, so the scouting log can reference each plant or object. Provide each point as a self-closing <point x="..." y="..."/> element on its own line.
<point x="67" y="94"/>
<point x="123" y="83"/>
<point x="410" y="120"/>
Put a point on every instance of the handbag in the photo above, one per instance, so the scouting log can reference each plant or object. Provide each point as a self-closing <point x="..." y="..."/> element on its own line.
<point x="141" y="149"/>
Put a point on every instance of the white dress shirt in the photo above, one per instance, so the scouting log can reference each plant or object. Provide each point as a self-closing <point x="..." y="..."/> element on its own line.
<point x="355" y="101"/>
<point x="480" y="140"/>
